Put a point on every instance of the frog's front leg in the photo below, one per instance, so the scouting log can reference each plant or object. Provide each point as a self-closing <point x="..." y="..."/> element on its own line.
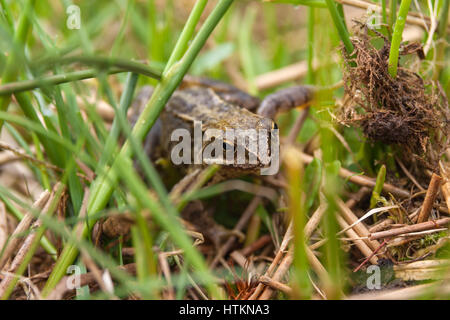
<point x="285" y="100"/>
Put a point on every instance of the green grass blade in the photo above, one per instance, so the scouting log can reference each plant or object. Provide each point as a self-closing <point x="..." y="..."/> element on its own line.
<point x="397" y="37"/>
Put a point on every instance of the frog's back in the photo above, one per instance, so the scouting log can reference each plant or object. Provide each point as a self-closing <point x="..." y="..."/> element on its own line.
<point x="203" y="104"/>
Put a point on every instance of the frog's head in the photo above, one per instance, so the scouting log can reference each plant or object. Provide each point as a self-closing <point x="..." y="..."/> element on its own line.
<point x="246" y="145"/>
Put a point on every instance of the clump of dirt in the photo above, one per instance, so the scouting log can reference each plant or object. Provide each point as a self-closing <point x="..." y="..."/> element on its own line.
<point x="406" y="111"/>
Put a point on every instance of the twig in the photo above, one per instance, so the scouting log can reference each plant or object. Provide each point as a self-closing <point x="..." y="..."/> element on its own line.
<point x="314" y="221"/>
<point x="408" y="174"/>
<point x="20" y="154"/>
<point x="317" y="266"/>
<point x="276" y="285"/>
<point x="289" y="73"/>
<point x="258" y="244"/>
<point x="373" y="254"/>
<point x="25" y="281"/>
<point x="388" y="221"/>
<point x="445" y="188"/>
<point x="369" y="214"/>
<point x="363" y="180"/>
<point x="287" y="260"/>
<point x="283" y="268"/>
<point x="9" y="156"/>
<point x="165" y="268"/>
<point x="359" y="228"/>
<point x="281" y="251"/>
<point x="239" y="227"/>
<point x="242" y="261"/>
<point x="318" y="244"/>
<point x="428" y="225"/>
<point x="98" y="275"/>
<point x="381" y="225"/>
<point x="297" y="126"/>
<point x="433" y="27"/>
<point x="362" y="246"/>
<point x="430" y="197"/>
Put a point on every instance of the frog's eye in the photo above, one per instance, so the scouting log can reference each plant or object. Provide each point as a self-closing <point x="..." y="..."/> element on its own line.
<point x="227" y="146"/>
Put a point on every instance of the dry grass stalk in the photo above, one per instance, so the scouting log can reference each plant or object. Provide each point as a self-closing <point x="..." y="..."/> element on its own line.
<point x="282" y="269"/>
<point x="258" y="244"/>
<point x="244" y="262"/>
<point x="363" y="180"/>
<point x="430" y="197"/>
<point x="359" y="228"/>
<point x="165" y="268"/>
<point x="318" y="268"/>
<point x="289" y="73"/>
<point x="281" y="251"/>
<point x="86" y="279"/>
<point x="98" y="275"/>
<point x="276" y="285"/>
<point x="414" y="292"/>
<point x="409" y="175"/>
<point x="314" y="221"/>
<point x="9" y="156"/>
<point x="20" y="256"/>
<point x="17" y="238"/>
<point x="362" y="246"/>
<point x="245" y="218"/>
<point x="429" y="225"/>
<point x="290" y="139"/>
<point x="3" y="226"/>
<point x="21" y="154"/>
<point x="382" y="225"/>
<point x="445" y="188"/>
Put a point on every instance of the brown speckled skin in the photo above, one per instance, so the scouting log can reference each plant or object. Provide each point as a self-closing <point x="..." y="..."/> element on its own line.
<point x="217" y="106"/>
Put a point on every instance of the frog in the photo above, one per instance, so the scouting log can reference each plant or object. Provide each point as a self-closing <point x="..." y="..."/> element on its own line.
<point x="221" y="106"/>
<point x="215" y="105"/>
